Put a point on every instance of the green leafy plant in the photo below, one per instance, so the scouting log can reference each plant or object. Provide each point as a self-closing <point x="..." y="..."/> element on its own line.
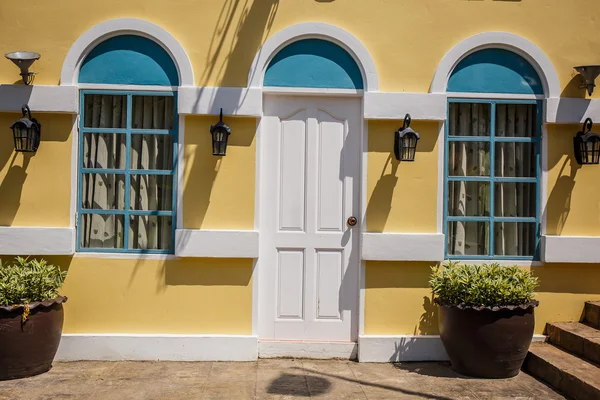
<point x="25" y="281"/>
<point x="491" y="285"/>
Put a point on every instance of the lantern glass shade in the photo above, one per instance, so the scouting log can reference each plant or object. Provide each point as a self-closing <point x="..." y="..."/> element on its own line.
<point x="405" y="145"/>
<point x="219" y="139"/>
<point x="587" y="145"/>
<point x="220" y="134"/>
<point x="26" y="133"/>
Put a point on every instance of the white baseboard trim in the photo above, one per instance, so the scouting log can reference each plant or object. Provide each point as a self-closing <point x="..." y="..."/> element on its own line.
<point x="403" y="246"/>
<point x="119" y="347"/>
<point x="315" y="350"/>
<point x="216" y="243"/>
<point x="401" y="348"/>
<point x="15" y="240"/>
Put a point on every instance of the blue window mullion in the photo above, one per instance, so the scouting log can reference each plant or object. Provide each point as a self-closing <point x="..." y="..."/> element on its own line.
<point x="469" y="178"/>
<point x="80" y="173"/>
<point x="469" y="138"/>
<point x="492" y="175"/>
<point x="538" y="161"/>
<point x="127" y="173"/>
<point x="104" y="130"/>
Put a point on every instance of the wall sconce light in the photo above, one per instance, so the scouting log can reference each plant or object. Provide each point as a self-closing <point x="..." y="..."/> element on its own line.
<point x="23" y="60"/>
<point x="589" y="73"/>
<point x="26" y="132"/>
<point x="405" y="141"/>
<point x="587" y="145"/>
<point x="220" y="134"/>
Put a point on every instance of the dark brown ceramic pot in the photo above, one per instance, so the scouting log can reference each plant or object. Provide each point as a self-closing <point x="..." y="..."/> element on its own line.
<point x="487" y="342"/>
<point x="28" y="349"/>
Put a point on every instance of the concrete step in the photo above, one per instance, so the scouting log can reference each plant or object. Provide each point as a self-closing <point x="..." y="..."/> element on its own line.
<point x="569" y="374"/>
<point x="591" y="314"/>
<point x="577" y="338"/>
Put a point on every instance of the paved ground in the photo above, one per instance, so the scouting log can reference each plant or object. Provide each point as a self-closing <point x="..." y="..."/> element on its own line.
<point x="265" y="379"/>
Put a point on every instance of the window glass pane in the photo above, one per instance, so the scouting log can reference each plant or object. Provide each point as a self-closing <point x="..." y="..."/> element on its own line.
<point x="469" y="159"/>
<point x="152" y="152"/>
<point x="101" y="231"/>
<point x="105" y="111"/>
<point x="514" y="238"/>
<point x="515" y="199"/>
<point x="470" y="199"/>
<point x="153" y="112"/>
<point x="468" y="238"/>
<point x="469" y="119"/>
<point x="151" y="192"/>
<point x="515" y="160"/>
<point x="150" y="232"/>
<point x="516" y="120"/>
<point x="103" y="191"/>
<point x="104" y="150"/>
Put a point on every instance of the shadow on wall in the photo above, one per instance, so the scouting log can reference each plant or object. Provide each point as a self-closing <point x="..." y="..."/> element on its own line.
<point x="406" y="277"/>
<point x="202" y="168"/>
<point x="558" y="206"/>
<point x="568" y="278"/>
<point x="381" y="140"/>
<point x="11" y="188"/>
<point x="239" y="33"/>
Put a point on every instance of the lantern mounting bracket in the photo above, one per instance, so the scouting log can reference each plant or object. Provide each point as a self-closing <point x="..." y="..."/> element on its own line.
<point x="589" y="74"/>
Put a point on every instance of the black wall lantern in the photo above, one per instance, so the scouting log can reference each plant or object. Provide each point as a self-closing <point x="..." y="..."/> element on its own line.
<point x="587" y="145"/>
<point x="26" y="132"/>
<point x="405" y="141"/>
<point x="220" y="133"/>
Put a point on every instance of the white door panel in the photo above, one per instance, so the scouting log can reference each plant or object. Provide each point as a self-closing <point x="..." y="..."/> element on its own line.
<point x="310" y="165"/>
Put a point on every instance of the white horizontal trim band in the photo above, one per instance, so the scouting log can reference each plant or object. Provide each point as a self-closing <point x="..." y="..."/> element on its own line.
<point x="571" y="249"/>
<point x="247" y="102"/>
<point x="116" y="347"/>
<point x="36" y="241"/>
<point x="312" y="91"/>
<point x="210" y="100"/>
<point x="403" y="246"/>
<point x="58" y="99"/>
<point x="383" y="348"/>
<point x="420" y="106"/>
<point x="217" y="243"/>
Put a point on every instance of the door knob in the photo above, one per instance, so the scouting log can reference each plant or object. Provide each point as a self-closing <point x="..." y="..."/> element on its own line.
<point x="352" y="221"/>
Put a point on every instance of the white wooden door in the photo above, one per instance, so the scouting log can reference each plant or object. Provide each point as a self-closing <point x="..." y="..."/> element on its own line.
<point x="310" y="163"/>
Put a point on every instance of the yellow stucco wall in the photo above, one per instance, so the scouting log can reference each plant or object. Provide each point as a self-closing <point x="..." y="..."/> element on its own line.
<point x="398" y="298"/>
<point x="573" y="207"/>
<point x="35" y="190"/>
<point x="219" y="192"/>
<point x="188" y="296"/>
<point x="222" y="37"/>
<point x="402" y="196"/>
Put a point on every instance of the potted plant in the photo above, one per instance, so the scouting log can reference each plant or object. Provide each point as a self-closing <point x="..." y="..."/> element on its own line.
<point x="31" y="317"/>
<point x="485" y="316"/>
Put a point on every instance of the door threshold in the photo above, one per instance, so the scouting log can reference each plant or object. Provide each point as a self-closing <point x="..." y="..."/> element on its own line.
<point x="311" y="349"/>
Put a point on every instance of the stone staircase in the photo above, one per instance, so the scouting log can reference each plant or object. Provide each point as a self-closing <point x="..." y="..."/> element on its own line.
<point x="570" y="360"/>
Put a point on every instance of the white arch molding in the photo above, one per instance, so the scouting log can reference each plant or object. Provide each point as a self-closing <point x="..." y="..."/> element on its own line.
<point x="503" y="40"/>
<point x="314" y="30"/>
<point x="122" y="26"/>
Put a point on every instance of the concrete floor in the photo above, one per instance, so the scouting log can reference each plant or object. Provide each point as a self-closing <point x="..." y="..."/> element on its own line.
<point x="266" y="379"/>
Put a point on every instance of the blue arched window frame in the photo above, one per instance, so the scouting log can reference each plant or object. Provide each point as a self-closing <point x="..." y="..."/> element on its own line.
<point x="155" y="58"/>
<point x="489" y="94"/>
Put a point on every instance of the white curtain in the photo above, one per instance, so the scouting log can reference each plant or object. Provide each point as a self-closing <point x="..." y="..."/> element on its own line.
<point x="472" y="199"/>
<point x="106" y="191"/>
